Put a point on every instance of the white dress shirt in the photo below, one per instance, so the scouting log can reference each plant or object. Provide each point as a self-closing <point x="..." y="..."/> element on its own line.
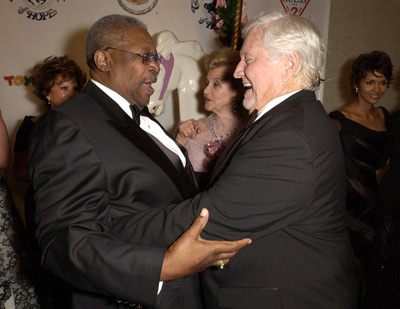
<point x="146" y="123"/>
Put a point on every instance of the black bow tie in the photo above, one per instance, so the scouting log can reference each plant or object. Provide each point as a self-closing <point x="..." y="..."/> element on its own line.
<point x="136" y="113"/>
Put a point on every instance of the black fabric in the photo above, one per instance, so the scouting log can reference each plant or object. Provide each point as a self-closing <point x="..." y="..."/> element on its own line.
<point x="283" y="185"/>
<point x="384" y="286"/>
<point x="24" y="131"/>
<point x="136" y="113"/>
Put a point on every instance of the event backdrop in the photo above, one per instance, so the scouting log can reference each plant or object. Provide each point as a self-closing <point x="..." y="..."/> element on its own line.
<point x="35" y="29"/>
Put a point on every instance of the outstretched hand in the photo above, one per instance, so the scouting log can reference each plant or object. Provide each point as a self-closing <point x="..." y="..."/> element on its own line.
<point x="191" y="254"/>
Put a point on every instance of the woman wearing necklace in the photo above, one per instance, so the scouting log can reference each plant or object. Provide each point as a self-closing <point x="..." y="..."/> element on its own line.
<point x="363" y="131"/>
<point x="206" y="138"/>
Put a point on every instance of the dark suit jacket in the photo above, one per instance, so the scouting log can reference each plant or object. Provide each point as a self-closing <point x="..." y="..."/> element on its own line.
<point x="282" y="184"/>
<point x="90" y="163"/>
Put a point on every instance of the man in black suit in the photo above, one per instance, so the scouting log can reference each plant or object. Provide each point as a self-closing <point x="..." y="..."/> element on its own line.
<point x="281" y="183"/>
<point x="101" y="156"/>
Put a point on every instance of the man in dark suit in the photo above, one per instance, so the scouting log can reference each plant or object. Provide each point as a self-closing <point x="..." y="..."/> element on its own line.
<point x="281" y="183"/>
<point x="100" y="156"/>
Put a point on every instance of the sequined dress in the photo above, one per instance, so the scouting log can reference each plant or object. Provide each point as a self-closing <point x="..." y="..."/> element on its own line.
<point x="16" y="288"/>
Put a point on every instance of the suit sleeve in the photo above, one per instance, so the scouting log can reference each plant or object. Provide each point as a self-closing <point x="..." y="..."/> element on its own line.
<point x="73" y="217"/>
<point x="267" y="185"/>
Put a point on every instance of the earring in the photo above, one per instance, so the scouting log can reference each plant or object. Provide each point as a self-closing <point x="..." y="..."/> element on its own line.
<point x="48" y="102"/>
<point x="356" y="90"/>
<point x="234" y="105"/>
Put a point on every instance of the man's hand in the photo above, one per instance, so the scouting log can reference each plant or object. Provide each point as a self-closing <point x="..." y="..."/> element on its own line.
<point x="190" y="254"/>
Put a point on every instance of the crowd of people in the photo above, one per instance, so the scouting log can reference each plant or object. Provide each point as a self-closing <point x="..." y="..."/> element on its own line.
<point x="268" y="202"/>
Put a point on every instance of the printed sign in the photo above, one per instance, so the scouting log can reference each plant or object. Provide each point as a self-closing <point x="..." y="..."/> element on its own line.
<point x="38" y="10"/>
<point x="295" y="7"/>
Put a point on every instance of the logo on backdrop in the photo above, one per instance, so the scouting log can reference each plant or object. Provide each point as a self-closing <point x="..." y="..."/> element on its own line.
<point x="206" y="10"/>
<point x="137" y="7"/>
<point x="17" y="80"/>
<point x="296" y="7"/>
<point x="38" y="10"/>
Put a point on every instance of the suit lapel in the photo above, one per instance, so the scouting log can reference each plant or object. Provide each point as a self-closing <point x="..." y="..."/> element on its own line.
<point x="124" y="125"/>
<point x="252" y="129"/>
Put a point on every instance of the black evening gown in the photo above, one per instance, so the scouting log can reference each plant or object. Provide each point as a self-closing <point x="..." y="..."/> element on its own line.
<point x="384" y="291"/>
<point x="362" y="148"/>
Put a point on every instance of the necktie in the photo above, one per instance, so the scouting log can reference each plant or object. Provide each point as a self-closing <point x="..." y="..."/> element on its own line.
<point x="136" y="113"/>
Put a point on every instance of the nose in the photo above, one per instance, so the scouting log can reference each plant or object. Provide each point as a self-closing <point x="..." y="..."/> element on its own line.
<point x="154" y="67"/>
<point x="71" y="94"/>
<point x="239" y="69"/>
<point x="206" y="89"/>
<point x="74" y="92"/>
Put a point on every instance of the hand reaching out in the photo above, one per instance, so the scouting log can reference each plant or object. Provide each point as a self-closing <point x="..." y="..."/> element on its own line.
<point x="191" y="254"/>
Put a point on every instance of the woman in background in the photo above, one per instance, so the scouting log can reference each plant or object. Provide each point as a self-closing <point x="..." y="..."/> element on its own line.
<point x="206" y="138"/>
<point x="363" y="130"/>
<point x="16" y="287"/>
<point x="383" y="291"/>
<point x="54" y="80"/>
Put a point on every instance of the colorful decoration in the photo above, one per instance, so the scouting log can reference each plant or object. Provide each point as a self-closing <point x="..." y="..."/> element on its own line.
<point x="230" y="17"/>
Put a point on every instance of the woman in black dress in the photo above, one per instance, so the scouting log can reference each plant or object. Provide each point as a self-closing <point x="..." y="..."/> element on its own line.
<point x="363" y="130"/>
<point x="384" y="290"/>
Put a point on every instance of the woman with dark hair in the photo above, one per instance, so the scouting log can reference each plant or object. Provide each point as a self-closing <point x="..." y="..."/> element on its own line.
<point x="363" y="130"/>
<point x="223" y="95"/>
<point x="55" y="80"/>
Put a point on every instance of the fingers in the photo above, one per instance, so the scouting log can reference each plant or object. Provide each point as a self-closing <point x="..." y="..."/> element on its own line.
<point x="189" y="128"/>
<point x="231" y="246"/>
<point x="198" y="224"/>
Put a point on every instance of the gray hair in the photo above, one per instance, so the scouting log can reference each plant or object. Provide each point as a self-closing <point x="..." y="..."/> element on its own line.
<point x="107" y="32"/>
<point x="285" y="33"/>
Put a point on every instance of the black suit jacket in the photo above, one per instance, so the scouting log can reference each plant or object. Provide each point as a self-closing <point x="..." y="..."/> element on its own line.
<point x="282" y="184"/>
<point x="90" y="163"/>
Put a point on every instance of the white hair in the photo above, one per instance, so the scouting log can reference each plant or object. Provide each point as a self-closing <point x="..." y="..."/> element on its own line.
<point x="286" y="33"/>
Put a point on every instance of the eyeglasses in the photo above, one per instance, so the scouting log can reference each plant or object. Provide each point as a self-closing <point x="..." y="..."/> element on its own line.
<point x="146" y="58"/>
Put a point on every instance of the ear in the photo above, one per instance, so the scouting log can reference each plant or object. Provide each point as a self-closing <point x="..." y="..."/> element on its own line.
<point x="291" y="65"/>
<point x="48" y="96"/>
<point x="102" y="60"/>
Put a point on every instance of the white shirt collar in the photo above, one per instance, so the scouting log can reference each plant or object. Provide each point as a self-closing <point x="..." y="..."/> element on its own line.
<point x="274" y="103"/>
<point x="124" y="104"/>
<point x="146" y="123"/>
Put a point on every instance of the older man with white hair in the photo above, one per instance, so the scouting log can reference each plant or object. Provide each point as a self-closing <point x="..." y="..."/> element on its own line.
<point x="281" y="183"/>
